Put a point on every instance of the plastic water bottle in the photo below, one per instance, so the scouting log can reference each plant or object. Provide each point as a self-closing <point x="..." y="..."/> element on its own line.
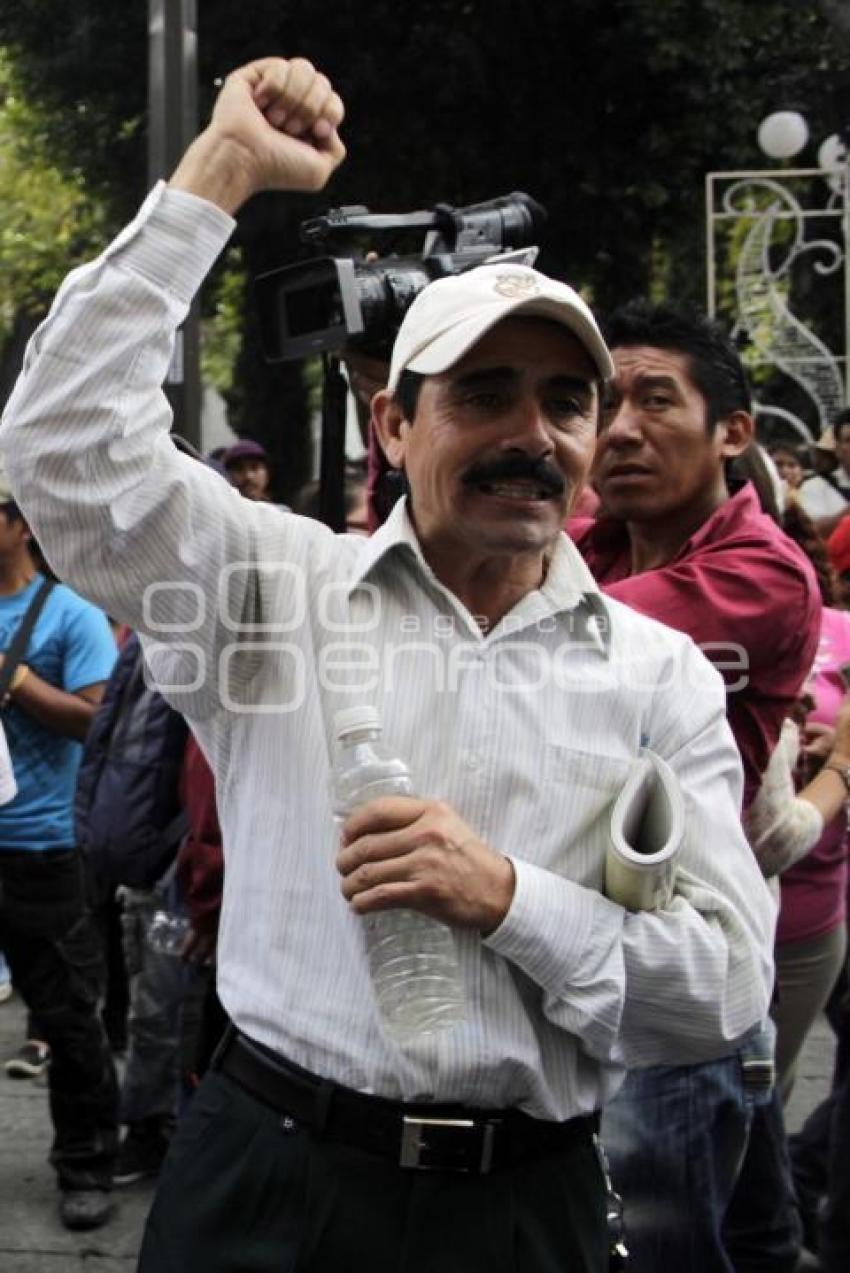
<point x="413" y="960"/>
<point x="167" y="932"/>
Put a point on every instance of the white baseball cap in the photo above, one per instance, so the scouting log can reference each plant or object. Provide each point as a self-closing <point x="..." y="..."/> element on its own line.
<point x="451" y="315"/>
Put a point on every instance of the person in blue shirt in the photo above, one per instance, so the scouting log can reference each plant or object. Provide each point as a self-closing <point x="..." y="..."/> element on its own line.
<point x="46" y="928"/>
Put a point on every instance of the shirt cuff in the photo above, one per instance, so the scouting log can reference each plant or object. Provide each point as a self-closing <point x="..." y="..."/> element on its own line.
<point x="173" y="240"/>
<point x="553" y="925"/>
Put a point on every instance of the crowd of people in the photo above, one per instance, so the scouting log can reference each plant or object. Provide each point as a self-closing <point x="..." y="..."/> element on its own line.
<point x="578" y="552"/>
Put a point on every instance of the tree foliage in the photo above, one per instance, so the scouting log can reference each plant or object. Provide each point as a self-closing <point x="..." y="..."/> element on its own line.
<point x="610" y="114"/>
<point x="49" y="219"/>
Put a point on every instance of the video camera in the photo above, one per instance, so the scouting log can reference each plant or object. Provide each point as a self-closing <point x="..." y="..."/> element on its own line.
<point x="353" y="296"/>
<point x="344" y="301"/>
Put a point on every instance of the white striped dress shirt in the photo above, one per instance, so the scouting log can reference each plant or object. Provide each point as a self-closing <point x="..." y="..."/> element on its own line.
<point x="528" y="730"/>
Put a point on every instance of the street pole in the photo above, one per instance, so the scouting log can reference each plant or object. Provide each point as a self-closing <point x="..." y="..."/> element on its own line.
<point x="172" y="124"/>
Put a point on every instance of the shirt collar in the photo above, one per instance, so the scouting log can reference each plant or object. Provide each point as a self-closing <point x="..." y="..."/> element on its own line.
<point x="396" y="533"/>
<point x="733" y="515"/>
<point x="568" y="585"/>
<point x="609" y="536"/>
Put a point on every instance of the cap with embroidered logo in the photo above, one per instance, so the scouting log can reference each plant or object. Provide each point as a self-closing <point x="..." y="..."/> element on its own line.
<point x="451" y="315"/>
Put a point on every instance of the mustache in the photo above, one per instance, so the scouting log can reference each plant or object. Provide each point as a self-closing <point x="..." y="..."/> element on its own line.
<point x="504" y="468"/>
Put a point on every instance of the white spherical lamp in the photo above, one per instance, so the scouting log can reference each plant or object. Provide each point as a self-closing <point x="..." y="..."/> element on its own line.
<point x="783" y="134"/>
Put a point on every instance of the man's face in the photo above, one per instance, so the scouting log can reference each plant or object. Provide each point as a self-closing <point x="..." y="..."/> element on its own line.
<point x="250" y="476"/>
<point x="655" y="457"/>
<point x="503" y="440"/>
<point x="842" y="446"/>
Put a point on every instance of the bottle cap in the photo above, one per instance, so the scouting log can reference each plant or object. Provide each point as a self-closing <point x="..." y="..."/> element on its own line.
<point x="350" y="719"/>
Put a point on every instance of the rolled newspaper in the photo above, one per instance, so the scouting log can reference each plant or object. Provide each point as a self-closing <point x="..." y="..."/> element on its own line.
<point x="647" y="828"/>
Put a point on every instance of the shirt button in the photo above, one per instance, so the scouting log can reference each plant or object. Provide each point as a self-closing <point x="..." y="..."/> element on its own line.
<point x="471" y="762"/>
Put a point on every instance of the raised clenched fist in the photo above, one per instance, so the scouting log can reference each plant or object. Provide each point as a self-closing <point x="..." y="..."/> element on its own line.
<point x="274" y="127"/>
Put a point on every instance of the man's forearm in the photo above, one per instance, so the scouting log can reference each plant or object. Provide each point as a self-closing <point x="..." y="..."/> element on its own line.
<point x="215" y="170"/>
<point x="55" y="709"/>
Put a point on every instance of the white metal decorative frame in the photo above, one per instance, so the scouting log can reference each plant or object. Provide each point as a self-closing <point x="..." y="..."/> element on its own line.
<point x="783" y="218"/>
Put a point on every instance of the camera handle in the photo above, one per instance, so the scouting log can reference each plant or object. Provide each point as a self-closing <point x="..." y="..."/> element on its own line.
<point x="332" y="452"/>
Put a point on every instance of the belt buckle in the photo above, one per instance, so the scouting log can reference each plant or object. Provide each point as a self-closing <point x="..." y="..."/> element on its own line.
<point x="421" y="1138"/>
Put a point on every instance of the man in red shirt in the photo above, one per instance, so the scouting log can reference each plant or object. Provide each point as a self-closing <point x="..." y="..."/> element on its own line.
<point x="675" y="543"/>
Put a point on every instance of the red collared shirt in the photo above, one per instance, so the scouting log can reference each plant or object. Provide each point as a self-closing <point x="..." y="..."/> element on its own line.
<point x="745" y="593"/>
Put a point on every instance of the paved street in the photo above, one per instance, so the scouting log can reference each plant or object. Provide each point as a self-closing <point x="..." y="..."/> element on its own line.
<point x="32" y="1240"/>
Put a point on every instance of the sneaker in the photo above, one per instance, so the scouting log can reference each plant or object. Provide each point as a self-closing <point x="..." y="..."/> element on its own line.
<point x="5" y="990"/>
<point x="85" y="1208"/>
<point x="141" y="1153"/>
<point x="31" y="1059"/>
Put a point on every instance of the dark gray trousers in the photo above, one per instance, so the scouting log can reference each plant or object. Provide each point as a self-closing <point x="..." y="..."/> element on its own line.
<point x="56" y="957"/>
<point x="246" y="1191"/>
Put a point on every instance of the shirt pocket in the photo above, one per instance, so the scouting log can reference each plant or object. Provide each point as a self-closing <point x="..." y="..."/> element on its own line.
<point x="573" y="814"/>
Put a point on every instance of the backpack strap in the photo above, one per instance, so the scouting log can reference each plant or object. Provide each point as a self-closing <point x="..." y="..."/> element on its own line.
<point x="17" y="648"/>
<point x="118" y="724"/>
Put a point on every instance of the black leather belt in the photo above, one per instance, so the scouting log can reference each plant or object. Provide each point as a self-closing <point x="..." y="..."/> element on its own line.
<point x="423" y="1137"/>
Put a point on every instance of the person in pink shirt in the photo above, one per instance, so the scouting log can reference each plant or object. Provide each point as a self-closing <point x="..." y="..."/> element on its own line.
<point x="811" y="969"/>
<point x="811" y="933"/>
<point x="801" y="840"/>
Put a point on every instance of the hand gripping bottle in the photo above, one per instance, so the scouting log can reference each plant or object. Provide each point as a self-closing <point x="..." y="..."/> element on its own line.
<point x="413" y="960"/>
